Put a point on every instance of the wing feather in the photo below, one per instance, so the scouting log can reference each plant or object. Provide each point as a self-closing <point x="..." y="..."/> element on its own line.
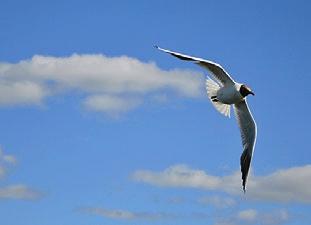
<point x="215" y="69"/>
<point x="248" y="131"/>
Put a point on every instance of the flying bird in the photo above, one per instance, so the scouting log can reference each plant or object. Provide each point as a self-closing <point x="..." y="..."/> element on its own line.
<point x="223" y="92"/>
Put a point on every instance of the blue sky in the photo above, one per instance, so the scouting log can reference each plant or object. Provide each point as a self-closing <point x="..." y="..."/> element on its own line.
<point x="98" y="127"/>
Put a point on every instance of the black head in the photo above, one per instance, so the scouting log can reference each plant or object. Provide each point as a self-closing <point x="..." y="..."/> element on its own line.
<point x="244" y="90"/>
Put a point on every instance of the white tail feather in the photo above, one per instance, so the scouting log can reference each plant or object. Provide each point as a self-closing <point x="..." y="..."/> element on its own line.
<point x="211" y="88"/>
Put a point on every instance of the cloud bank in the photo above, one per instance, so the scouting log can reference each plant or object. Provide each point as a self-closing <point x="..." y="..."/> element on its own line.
<point x="110" y="84"/>
<point x="286" y="185"/>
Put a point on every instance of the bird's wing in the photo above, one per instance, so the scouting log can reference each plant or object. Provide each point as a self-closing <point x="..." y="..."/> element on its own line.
<point x="215" y="69"/>
<point x="248" y="133"/>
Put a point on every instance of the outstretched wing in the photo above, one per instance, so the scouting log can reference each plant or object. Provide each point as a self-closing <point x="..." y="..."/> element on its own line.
<point x="215" y="69"/>
<point x="248" y="133"/>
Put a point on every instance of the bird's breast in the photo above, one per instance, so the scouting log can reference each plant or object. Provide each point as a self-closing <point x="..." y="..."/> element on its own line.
<point x="229" y="95"/>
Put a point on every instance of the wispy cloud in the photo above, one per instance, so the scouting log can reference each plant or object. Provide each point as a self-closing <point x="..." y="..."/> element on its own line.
<point x="121" y="214"/>
<point x="126" y="215"/>
<point x="16" y="191"/>
<point x="286" y="185"/>
<point x="247" y="215"/>
<point x="217" y="201"/>
<point x="252" y="216"/>
<point x="111" y="84"/>
<point x="5" y="161"/>
<point x="19" y="192"/>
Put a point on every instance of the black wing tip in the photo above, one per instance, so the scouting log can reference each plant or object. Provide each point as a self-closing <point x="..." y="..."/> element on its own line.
<point x="176" y="54"/>
<point x="245" y="165"/>
<point x="244" y="178"/>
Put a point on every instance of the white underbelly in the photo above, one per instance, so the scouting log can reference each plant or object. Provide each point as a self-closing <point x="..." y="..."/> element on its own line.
<point x="229" y="95"/>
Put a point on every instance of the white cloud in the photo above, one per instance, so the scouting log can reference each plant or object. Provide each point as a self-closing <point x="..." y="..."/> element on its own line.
<point x="252" y="216"/>
<point x="30" y="81"/>
<point x="283" y="185"/>
<point x="178" y="176"/>
<point x="126" y="215"/>
<point x="10" y="159"/>
<point x="21" y="92"/>
<point x="286" y="185"/>
<point x="217" y="201"/>
<point x="276" y="217"/>
<point x="248" y="215"/>
<point x="5" y="158"/>
<point x="120" y="214"/>
<point x="19" y="192"/>
<point x="113" y="214"/>
<point x="110" y="104"/>
<point x="5" y="161"/>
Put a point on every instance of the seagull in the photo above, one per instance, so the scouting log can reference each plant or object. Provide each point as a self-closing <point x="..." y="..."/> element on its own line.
<point x="223" y="92"/>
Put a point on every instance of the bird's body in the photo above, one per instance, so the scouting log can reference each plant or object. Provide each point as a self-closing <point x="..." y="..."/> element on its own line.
<point x="230" y="94"/>
<point x="223" y="92"/>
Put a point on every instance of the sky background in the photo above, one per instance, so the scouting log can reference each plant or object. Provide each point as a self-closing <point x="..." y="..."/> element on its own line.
<point x="98" y="127"/>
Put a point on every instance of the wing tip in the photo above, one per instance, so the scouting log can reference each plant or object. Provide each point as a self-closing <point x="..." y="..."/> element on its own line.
<point x="244" y="187"/>
<point x="245" y="165"/>
<point x="161" y="49"/>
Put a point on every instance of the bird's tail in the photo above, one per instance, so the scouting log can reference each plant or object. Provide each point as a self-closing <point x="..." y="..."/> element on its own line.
<point x="211" y="88"/>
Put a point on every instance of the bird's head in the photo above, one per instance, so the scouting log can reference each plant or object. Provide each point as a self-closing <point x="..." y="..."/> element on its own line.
<point x="244" y="90"/>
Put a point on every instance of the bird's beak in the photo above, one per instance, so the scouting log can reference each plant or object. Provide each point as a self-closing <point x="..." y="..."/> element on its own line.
<point x="252" y="93"/>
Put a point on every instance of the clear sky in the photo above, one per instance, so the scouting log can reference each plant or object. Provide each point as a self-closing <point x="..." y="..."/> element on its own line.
<point x="98" y="127"/>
